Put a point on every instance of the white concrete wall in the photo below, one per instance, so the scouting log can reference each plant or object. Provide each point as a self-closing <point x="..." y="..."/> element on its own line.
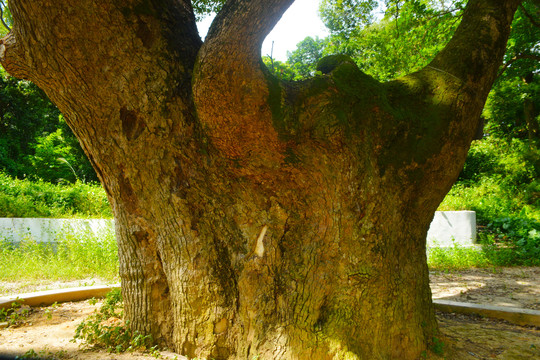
<point x="48" y="230"/>
<point x="449" y="227"/>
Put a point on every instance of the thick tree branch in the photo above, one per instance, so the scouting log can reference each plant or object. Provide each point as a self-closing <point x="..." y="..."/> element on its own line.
<point x="475" y="52"/>
<point x="531" y="18"/>
<point x="245" y="23"/>
<point x="12" y="57"/>
<point x="229" y="72"/>
<point x="435" y="111"/>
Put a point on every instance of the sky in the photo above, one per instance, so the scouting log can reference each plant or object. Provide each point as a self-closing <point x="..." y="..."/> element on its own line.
<point x="299" y="21"/>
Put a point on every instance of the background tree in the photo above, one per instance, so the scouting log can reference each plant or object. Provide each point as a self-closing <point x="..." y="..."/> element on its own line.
<point x="513" y="108"/>
<point x="405" y="39"/>
<point x="303" y="61"/>
<point x="256" y="216"/>
<point x="35" y="141"/>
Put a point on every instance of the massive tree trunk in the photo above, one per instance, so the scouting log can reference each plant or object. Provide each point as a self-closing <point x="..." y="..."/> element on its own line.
<point x="256" y="217"/>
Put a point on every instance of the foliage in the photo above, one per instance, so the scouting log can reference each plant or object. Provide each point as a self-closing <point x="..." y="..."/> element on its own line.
<point x="500" y="182"/>
<point x="105" y="329"/>
<point x="25" y="198"/>
<point x="16" y="314"/>
<point x="303" y="61"/>
<point x="279" y="69"/>
<point x="203" y="8"/>
<point x="499" y="179"/>
<point x="53" y="158"/>
<point x="44" y="354"/>
<point x="513" y="106"/>
<point x="345" y="17"/>
<point x="407" y="37"/>
<point x="75" y="255"/>
<point x="32" y="133"/>
<point x="6" y="19"/>
<point x="24" y="113"/>
<point x="521" y="235"/>
<point x="523" y="48"/>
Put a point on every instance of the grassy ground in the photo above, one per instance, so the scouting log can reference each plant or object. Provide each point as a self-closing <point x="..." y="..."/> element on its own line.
<point x="82" y="258"/>
<point x="75" y="256"/>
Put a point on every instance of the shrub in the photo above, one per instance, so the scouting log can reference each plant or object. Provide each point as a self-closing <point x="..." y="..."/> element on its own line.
<point x="25" y="198"/>
<point x="499" y="182"/>
<point x="106" y="329"/>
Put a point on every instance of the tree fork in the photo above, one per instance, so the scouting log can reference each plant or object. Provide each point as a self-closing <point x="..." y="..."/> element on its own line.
<point x="256" y="217"/>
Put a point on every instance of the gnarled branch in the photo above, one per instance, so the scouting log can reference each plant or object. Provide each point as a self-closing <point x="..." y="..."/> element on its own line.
<point x="2" y="6"/>
<point x="229" y="72"/>
<point x="509" y="63"/>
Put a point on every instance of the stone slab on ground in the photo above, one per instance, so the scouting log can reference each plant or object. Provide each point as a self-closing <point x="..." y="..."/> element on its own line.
<point x="523" y="317"/>
<point x="49" y="297"/>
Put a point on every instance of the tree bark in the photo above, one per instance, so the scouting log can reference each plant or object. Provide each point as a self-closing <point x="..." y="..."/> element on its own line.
<point x="256" y="217"/>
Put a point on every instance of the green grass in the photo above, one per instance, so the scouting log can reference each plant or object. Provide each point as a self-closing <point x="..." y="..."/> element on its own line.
<point x="25" y="198"/>
<point x="457" y="258"/>
<point x="486" y="255"/>
<point x="76" y="255"/>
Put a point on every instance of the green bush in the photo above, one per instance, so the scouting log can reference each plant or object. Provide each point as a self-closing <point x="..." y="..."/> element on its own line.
<point x="25" y="198"/>
<point x="105" y="329"/>
<point x="499" y="182"/>
<point x="518" y="236"/>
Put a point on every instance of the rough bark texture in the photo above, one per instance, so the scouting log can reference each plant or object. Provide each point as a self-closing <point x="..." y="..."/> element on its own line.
<point x="254" y="217"/>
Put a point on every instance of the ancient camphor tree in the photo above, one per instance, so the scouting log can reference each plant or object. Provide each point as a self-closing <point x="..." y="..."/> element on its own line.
<point x="253" y="216"/>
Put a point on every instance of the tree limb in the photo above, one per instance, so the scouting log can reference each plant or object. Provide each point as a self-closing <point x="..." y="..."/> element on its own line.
<point x="476" y="49"/>
<point x="2" y="6"/>
<point x="516" y="58"/>
<point x="529" y="16"/>
<point x="230" y="72"/>
<point x="12" y="57"/>
<point x="245" y="23"/>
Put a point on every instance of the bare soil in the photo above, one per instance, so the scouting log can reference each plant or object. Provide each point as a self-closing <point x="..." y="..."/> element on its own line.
<point x="48" y="331"/>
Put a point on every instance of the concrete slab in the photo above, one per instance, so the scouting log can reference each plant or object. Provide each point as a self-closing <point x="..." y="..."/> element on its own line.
<point x="49" y="297"/>
<point x="49" y="230"/>
<point x="523" y="317"/>
<point x="452" y="227"/>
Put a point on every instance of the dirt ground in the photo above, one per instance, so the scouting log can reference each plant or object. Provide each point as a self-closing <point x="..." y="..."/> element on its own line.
<point x="48" y="331"/>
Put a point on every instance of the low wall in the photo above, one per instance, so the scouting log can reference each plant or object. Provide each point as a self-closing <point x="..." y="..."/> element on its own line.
<point x="447" y="228"/>
<point x="49" y="230"/>
<point x="452" y="227"/>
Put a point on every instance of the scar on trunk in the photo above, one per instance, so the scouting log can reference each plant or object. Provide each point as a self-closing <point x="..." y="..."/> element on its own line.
<point x="132" y="125"/>
<point x="258" y="249"/>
